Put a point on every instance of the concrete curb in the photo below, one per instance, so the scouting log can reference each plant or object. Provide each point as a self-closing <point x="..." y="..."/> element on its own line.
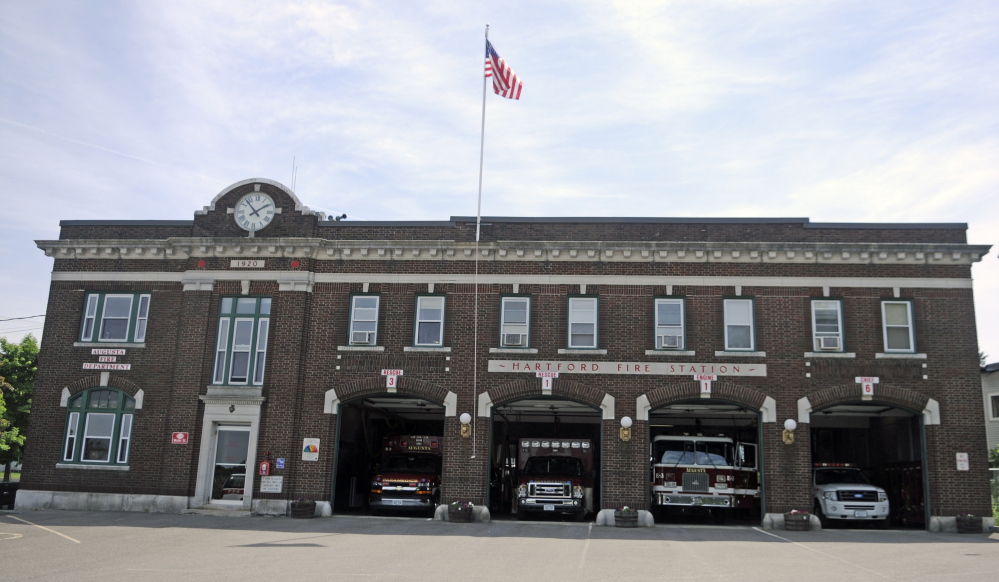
<point x="605" y="517"/>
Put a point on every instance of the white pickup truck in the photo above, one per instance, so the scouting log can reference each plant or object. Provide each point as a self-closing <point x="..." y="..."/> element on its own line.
<point x="843" y="493"/>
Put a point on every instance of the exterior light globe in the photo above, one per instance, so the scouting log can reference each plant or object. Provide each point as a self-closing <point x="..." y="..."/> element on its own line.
<point x="789" y="424"/>
<point x="626" y="421"/>
<point x="465" y="418"/>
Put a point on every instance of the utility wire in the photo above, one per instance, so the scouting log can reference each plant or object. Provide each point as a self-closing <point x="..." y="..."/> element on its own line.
<point x="28" y="317"/>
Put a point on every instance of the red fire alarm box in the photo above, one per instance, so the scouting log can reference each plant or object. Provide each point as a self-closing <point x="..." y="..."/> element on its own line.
<point x="265" y="467"/>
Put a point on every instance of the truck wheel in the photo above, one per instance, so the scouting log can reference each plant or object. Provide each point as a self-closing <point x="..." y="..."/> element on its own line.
<point x="817" y="510"/>
<point x="521" y="515"/>
<point x="579" y="516"/>
<point x="718" y="516"/>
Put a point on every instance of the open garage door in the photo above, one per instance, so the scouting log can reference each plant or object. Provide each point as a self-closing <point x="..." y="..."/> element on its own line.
<point x="395" y="442"/>
<point x="886" y="444"/>
<point x="545" y="459"/>
<point x="705" y="463"/>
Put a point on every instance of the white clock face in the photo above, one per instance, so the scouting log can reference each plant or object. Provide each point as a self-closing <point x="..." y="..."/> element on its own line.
<point x="254" y="211"/>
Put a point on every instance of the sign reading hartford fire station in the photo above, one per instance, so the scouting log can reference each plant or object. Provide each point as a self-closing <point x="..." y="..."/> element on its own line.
<point x="642" y="368"/>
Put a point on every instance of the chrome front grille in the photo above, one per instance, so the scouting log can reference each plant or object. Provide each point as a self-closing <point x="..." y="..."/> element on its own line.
<point x="858" y="495"/>
<point x="553" y="490"/>
<point x="695" y="482"/>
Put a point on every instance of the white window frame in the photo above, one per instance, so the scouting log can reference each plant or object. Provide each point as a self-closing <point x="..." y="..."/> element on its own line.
<point x="89" y="317"/>
<point x="662" y="329"/>
<point x="256" y="349"/>
<point x="357" y="311"/>
<point x="910" y="326"/>
<point x="142" y="318"/>
<point x="95" y="317"/>
<point x="817" y="335"/>
<point x="69" y="443"/>
<point x="994" y="402"/>
<point x="578" y="315"/>
<point x="421" y="320"/>
<point x="124" y="438"/>
<point x="87" y="437"/>
<point x="86" y="407"/>
<point x="729" y="323"/>
<point x="508" y="328"/>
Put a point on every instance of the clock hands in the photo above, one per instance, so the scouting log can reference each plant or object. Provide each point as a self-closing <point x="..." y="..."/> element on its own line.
<point x="256" y="211"/>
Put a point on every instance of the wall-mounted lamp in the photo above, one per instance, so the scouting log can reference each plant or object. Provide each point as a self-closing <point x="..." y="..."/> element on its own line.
<point x="466" y="425"/>
<point x="789" y="426"/>
<point x="626" y="428"/>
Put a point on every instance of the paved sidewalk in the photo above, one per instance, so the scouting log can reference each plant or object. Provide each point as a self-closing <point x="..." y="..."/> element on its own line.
<point x="111" y="547"/>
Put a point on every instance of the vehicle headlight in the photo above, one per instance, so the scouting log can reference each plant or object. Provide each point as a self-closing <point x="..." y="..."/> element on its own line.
<point x="882" y="496"/>
<point x="830" y="495"/>
<point x="522" y="490"/>
<point x="577" y="491"/>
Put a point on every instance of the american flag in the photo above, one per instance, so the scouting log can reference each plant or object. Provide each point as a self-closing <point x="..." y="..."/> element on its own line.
<point x="505" y="81"/>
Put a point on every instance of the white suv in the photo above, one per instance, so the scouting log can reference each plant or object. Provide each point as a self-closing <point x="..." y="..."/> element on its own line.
<point x="842" y="492"/>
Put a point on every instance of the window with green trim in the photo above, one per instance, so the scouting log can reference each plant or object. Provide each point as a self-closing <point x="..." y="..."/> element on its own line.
<point x="515" y="322"/>
<point x="99" y="427"/>
<point x="363" y="320"/>
<point x="897" y="328"/>
<point x="740" y="334"/>
<point x="429" y="321"/>
<point x="827" y="325"/>
<point x="241" y="340"/>
<point x="669" y="323"/>
<point x="115" y="317"/>
<point x="582" y="322"/>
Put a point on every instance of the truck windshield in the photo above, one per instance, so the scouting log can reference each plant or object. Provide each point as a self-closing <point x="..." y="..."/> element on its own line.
<point x="694" y="453"/>
<point x="410" y="464"/>
<point x="554" y="467"/>
<point x="827" y="476"/>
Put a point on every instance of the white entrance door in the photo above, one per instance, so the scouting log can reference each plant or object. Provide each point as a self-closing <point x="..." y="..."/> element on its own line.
<point x="232" y="444"/>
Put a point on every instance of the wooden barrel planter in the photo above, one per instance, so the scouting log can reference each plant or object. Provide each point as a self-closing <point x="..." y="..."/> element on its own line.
<point x="303" y="509"/>
<point x="459" y="514"/>
<point x="797" y="521"/>
<point x="625" y="519"/>
<point x="969" y="525"/>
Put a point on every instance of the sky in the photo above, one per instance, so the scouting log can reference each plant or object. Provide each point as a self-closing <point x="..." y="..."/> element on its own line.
<point x="838" y="111"/>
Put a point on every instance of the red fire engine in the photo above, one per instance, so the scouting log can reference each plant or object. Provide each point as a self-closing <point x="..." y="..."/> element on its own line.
<point x="710" y="472"/>
<point x="410" y="475"/>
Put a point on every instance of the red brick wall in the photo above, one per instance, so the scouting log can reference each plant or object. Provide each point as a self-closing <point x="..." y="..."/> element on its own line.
<point x="306" y="328"/>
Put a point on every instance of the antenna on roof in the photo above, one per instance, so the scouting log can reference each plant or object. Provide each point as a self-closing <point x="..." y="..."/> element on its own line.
<point x="294" y="173"/>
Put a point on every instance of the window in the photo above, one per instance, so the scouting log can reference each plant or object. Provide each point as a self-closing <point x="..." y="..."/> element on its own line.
<point x="241" y="343"/>
<point x="515" y="322"/>
<point x="115" y="317"/>
<point x="363" y="320"/>
<point x="995" y="407"/>
<point x="827" y="325"/>
<point x="99" y="427"/>
<point x="429" y="321"/>
<point x="739" y="325"/>
<point x="898" y="332"/>
<point x="669" y="324"/>
<point x="582" y="322"/>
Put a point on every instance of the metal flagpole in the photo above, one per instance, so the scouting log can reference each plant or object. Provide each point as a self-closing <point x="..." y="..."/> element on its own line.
<point x="475" y="279"/>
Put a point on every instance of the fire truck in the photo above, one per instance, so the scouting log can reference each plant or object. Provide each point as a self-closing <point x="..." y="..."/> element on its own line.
<point x="409" y="478"/>
<point x="714" y="473"/>
<point x="554" y="476"/>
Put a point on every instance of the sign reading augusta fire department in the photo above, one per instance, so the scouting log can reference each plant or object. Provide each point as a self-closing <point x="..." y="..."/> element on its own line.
<point x="641" y="368"/>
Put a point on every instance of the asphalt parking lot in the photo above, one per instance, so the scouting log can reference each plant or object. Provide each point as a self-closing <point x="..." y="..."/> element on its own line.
<point x="109" y="547"/>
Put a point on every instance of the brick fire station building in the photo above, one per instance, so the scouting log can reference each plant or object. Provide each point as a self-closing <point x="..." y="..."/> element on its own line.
<point x="179" y="354"/>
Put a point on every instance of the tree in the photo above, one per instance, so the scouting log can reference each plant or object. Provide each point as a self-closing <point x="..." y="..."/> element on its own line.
<point x="18" y="364"/>
<point x="983" y="358"/>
